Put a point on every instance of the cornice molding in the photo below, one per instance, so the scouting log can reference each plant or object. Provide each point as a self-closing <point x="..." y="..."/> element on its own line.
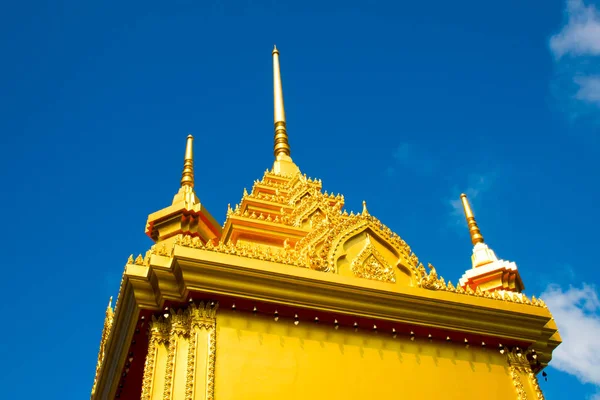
<point x="172" y="278"/>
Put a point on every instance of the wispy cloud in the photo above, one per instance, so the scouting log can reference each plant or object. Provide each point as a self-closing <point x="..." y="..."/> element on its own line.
<point x="589" y="89"/>
<point x="475" y="186"/>
<point x="577" y="314"/>
<point x="576" y="50"/>
<point x="580" y="36"/>
<point x="410" y="156"/>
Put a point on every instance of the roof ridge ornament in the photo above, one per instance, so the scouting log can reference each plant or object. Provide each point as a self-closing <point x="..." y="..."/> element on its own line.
<point x="365" y="211"/>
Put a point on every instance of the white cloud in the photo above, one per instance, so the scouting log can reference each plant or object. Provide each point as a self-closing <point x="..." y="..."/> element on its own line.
<point x="577" y="314"/>
<point x="576" y="49"/>
<point x="589" y="89"/>
<point x="581" y="34"/>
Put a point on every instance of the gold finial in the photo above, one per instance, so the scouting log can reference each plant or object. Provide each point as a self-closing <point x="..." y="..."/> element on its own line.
<point x="109" y="309"/>
<point x="476" y="236"/>
<point x="282" y="146"/>
<point x="365" y="211"/>
<point x="187" y="177"/>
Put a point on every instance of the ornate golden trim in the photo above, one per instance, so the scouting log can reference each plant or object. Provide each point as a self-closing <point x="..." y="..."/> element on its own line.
<point x="202" y="317"/>
<point x="191" y="366"/>
<point x="179" y="328"/>
<point x="108" y="323"/>
<point x="521" y="394"/>
<point x="289" y="256"/>
<point x="519" y="364"/>
<point x="212" y="355"/>
<point x="371" y="265"/>
<point x="536" y="386"/>
<point x="158" y="332"/>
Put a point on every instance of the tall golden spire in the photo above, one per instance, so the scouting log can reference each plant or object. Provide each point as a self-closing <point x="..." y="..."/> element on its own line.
<point x="281" y="138"/>
<point x="186" y="191"/>
<point x="476" y="236"/>
<point x="187" y="177"/>
<point x="283" y="162"/>
<point x="185" y="215"/>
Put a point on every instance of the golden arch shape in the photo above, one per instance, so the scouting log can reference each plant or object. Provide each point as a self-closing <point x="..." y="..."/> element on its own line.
<point x="370" y="264"/>
<point x="355" y="225"/>
<point x="326" y="212"/>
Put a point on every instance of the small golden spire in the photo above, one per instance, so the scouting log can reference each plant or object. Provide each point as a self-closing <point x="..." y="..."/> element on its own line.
<point x="187" y="177"/>
<point x="476" y="236"/>
<point x="109" y="309"/>
<point x="365" y="211"/>
<point x="282" y="146"/>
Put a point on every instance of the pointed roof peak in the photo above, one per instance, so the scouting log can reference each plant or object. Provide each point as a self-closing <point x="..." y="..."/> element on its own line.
<point x="476" y="236"/>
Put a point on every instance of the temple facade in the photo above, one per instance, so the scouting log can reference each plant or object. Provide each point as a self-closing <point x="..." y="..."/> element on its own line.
<point x="295" y="298"/>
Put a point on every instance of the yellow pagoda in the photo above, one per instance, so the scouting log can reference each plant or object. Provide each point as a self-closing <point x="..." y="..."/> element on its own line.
<point x="295" y="298"/>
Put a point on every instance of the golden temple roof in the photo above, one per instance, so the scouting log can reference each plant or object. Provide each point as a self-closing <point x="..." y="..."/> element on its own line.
<point x="288" y="241"/>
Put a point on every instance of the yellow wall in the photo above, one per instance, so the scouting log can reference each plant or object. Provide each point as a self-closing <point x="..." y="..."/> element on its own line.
<point x="203" y="354"/>
<point x="258" y="358"/>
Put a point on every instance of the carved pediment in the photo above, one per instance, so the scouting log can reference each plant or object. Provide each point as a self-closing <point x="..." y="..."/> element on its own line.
<point x="371" y="264"/>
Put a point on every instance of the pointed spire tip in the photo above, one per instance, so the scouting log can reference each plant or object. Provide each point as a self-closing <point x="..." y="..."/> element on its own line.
<point x="187" y="177"/>
<point x="476" y="236"/>
<point x="282" y="146"/>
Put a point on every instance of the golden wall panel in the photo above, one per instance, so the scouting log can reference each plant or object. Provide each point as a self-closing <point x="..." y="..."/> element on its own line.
<point x="180" y="368"/>
<point x="258" y="358"/>
<point x="181" y="355"/>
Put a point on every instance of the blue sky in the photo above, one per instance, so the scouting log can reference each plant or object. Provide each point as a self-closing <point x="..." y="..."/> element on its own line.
<point x="402" y="105"/>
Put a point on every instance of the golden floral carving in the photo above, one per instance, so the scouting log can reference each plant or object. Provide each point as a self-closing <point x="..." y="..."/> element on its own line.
<point x="300" y="199"/>
<point x="106" y="330"/>
<point x="536" y="386"/>
<point x="179" y="328"/>
<point x="202" y="317"/>
<point x="158" y="333"/>
<point x="191" y="367"/>
<point x="431" y="280"/>
<point x="520" y="365"/>
<point x="521" y="394"/>
<point x="301" y="256"/>
<point x="371" y="265"/>
<point x="178" y="324"/>
<point x="353" y="225"/>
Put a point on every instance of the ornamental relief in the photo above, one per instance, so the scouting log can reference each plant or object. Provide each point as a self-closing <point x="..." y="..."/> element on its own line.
<point x="366" y="256"/>
<point x="187" y="331"/>
<point x="370" y="264"/>
<point x="329" y="231"/>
